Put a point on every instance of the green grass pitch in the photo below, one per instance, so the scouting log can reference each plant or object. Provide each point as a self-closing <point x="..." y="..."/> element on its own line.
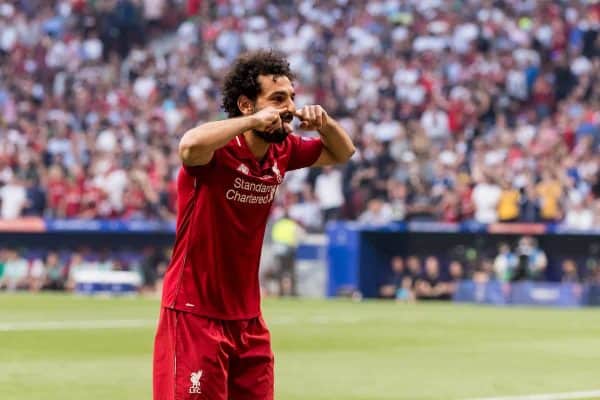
<point x="58" y="347"/>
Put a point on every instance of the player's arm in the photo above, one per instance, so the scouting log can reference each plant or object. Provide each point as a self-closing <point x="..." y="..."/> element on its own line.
<point x="337" y="145"/>
<point x="198" y="145"/>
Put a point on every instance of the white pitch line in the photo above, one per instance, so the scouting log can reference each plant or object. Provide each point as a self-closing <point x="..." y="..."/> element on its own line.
<point x="142" y="323"/>
<point x="590" y="394"/>
<point x="68" y="325"/>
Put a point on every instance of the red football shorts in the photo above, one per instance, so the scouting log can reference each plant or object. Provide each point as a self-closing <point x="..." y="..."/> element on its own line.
<point x="197" y="358"/>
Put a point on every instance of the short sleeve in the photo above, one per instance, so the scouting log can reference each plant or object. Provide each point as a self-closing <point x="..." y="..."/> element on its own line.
<point x="200" y="170"/>
<point x="304" y="151"/>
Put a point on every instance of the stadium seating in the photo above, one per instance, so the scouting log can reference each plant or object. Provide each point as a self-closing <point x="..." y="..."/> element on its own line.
<point x="481" y="113"/>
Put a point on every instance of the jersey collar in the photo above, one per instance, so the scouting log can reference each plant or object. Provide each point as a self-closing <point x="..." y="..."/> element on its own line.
<point x="243" y="152"/>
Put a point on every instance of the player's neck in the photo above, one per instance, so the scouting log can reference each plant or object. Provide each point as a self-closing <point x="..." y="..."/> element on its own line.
<point x="257" y="146"/>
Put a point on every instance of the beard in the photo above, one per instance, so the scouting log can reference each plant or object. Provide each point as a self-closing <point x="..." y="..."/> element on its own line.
<point x="277" y="136"/>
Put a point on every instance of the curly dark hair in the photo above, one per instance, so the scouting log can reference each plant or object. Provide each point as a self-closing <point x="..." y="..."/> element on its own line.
<point x="242" y="78"/>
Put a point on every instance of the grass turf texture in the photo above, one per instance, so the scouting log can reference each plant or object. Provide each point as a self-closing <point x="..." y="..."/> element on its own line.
<point x="324" y="349"/>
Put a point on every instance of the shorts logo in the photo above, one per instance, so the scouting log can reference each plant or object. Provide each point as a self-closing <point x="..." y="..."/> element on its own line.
<point x="195" y="379"/>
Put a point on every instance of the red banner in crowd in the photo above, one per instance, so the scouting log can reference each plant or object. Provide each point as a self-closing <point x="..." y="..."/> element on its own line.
<point x="517" y="228"/>
<point x="27" y="224"/>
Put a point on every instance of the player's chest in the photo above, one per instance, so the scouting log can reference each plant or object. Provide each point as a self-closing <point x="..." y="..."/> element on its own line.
<point x="246" y="182"/>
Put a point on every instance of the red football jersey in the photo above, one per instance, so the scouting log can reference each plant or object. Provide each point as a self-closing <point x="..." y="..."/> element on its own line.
<point x="221" y="218"/>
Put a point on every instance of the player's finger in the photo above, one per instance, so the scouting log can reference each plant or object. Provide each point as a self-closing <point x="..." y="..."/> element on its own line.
<point x="298" y="113"/>
<point x="319" y="116"/>
<point x="323" y="116"/>
<point x="280" y="111"/>
<point x="301" y="113"/>
<point x="273" y="123"/>
<point x="276" y="121"/>
<point x="312" y="116"/>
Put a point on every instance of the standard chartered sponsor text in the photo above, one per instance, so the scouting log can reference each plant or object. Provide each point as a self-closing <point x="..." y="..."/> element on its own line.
<point x="260" y="193"/>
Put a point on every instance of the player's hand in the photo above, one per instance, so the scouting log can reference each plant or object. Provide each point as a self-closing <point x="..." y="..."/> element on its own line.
<point x="312" y="117"/>
<point x="268" y="119"/>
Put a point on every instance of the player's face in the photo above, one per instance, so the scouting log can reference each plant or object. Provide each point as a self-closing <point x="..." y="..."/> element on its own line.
<point x="277" y="91"/>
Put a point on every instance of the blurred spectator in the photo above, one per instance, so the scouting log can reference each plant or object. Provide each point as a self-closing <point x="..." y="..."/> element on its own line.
<point x="328" y="189"/>
<point x="456" y="274"/>
<point x="594" y="277"/>
<point x="414" y="270"/>
<point x="430" y="285"/>
<point x="35" y="204"/>
<point x="486" y="196"/>
<point x="505" y="263"/>
<point x="550" y="193"/>
<point x="398" y="283"/>
<point x="13" y="198"/>
<point x="377" y="213"/>
<point x="3" y="259"/>
<point x="56" y="272"/>
<point x="306" y="211"/>
<point x="592" y="264"/>
<point x="286" y="234"/>
<point x="570" y="274"/>
<point x="153" y="11"/>
<point x="16" y="271"/>
<point x="578" y="215"/>
<point x="508" y="204"/>
<point x="37" y="275"/>
<point x="435" y="122"/>
<point x="397" y="195"/>
<point x="420" y="204"/>
<point x="484" y="271"/>
<point x="465" y="195"/>
<point x="529" y="204"/>
<point x="532" y="261"/>
<point x="450" y="206"/>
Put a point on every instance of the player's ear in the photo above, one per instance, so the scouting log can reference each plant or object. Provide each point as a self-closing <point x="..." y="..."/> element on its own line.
<point x="245" y="105"/>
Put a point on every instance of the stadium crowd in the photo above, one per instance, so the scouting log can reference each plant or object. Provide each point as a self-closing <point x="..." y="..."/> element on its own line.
<point x="470" y="110"/>
<point x="416" y="277"/>
<point x="408" y="277"/>
<point x="37" y="269"/>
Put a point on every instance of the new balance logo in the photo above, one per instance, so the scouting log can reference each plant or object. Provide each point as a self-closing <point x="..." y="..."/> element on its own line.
<point x="243" y="168"/>
<point x="195" y="379"/>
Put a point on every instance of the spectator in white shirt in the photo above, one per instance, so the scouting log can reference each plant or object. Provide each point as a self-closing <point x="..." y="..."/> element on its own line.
<point x="13" y="198"/>
<point x="486" y="195"/>
<point x="435" y="122"/>
<point x="378" y="213"/>
<point x="328" y="189"/>
<point x="307" y="212"/>
<point x="578" y="216"/>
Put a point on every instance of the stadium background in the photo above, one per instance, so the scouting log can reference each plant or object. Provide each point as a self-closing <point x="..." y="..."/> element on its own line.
<point x="477" y="125"/>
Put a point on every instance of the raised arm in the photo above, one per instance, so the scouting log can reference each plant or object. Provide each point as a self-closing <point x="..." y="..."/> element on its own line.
<point x="337" y="145"/>
<point x="198" y="144"/>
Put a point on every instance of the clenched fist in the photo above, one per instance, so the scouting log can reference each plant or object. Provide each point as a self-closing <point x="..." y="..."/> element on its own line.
<point x="313" y="117"/>
<point x="268" y="119"/>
